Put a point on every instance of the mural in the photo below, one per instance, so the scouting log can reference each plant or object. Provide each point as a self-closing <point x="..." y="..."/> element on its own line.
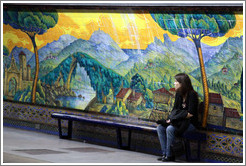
<point x="124" y="63"/>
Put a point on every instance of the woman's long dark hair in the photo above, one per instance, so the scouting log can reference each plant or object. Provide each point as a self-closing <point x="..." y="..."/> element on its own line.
<point x="186" y="85"/>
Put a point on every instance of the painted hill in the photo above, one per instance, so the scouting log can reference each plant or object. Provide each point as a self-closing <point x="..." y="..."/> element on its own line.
<point x="234" y="67"/>
<point x="230" y="54"/>
<point x="51" y="50"/>
<point x="181" y="51"/>
<point x="100" y="46"/>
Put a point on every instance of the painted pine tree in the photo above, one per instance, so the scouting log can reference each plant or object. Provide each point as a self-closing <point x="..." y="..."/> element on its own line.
<point x="31" y="21"/>
<point x="195" y="27"/>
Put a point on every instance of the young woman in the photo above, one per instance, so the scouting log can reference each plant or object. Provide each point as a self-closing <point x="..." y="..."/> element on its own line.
<point x="183" y="117"/>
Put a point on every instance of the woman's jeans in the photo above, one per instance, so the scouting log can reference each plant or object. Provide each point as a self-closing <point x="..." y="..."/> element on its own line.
<point x="166" y="137"/>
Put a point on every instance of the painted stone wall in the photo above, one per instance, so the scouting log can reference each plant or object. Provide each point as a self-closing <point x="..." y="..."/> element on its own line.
<point x="216" y="113"/>
<point x="234" y="123"/>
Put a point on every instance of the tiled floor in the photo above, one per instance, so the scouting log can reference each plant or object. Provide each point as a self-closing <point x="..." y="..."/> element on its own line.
<point x="11" y="158"/>
<point x="22" y="146"/>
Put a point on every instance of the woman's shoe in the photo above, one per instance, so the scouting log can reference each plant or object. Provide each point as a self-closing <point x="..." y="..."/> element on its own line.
<point x="161" y="158"/>
<point x="171" y="158"/>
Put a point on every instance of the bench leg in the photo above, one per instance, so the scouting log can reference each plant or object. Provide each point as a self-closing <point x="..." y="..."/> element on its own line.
<point x="119" y="139"/>
<point x="70" y="129"/>
<point x="59" y="128"/>
<point x="187" y="150"/>
<point x="69" y="133"/>
<point x="129" y="138"/>
<point x="198" y="150"/>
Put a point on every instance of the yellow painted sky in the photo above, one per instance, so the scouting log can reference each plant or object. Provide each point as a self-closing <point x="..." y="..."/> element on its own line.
<point x="127" y="30"/>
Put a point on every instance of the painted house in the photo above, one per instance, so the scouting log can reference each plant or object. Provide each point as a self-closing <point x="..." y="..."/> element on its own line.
<point x="162" y="96"/>
<point x="134" y="100"/>
<point x="224" y="70"/>
<point x="216" y="109"/>
<point x="123" y="94"/>
<point x="232" y="119"/>
<point x="131" y="98"/>
<point x="172" y="91"/>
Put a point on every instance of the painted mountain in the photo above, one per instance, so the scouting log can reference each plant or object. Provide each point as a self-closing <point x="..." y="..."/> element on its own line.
<point x="51" y="50"/>
<point x="229" y="57"/>
<point x="181" y="53"/>
<point x="135" y="56"/>
<point x="233" y="68"/>
<point x="100" y="46"/>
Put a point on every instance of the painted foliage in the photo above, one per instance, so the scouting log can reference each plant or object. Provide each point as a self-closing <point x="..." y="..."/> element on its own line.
<point x="124" y="63"/>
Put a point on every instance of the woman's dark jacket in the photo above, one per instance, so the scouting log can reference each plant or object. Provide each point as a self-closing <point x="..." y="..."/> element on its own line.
<point x="178" y="114"/>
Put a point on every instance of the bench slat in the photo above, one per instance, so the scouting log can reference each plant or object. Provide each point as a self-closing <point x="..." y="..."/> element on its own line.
<point x="103" y="122"/>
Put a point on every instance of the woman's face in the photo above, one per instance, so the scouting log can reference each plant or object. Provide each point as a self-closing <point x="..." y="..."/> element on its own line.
<point x="177" y="85"/>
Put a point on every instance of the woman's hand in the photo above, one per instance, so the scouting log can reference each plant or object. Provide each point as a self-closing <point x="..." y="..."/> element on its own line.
<point x="168" y="121"/>
<point x="189" y="115"/>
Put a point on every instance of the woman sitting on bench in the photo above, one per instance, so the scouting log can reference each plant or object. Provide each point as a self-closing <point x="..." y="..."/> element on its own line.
<point x="183" y="117"/>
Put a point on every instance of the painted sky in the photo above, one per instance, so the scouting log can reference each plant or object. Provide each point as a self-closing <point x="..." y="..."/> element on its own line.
<point x="128" y="30"/>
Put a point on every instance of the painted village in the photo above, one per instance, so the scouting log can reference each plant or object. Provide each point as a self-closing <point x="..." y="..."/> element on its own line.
<point x="131" y="102"/>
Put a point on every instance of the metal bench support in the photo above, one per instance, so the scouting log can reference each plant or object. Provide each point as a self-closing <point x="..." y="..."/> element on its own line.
<point x="119" y="139"/>
<point x="69" y="132"/>
<point x="198" y="137"/>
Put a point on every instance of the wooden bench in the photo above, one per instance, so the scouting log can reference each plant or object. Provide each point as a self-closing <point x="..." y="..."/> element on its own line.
<point x="197" y="136"/>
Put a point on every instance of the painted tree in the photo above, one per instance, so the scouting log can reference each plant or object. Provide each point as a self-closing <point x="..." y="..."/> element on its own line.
<point x="171" y="82"/>
<point x="5" y="56"/>
<point x="31" y="21"/>
<point x="197" y="26"/>
<point x="106" y="84"/>
<point x="151" y="85"/>
<point x="5" y="51"/>
<point x="166" y="82"/>
<point x="137" y="83"/>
